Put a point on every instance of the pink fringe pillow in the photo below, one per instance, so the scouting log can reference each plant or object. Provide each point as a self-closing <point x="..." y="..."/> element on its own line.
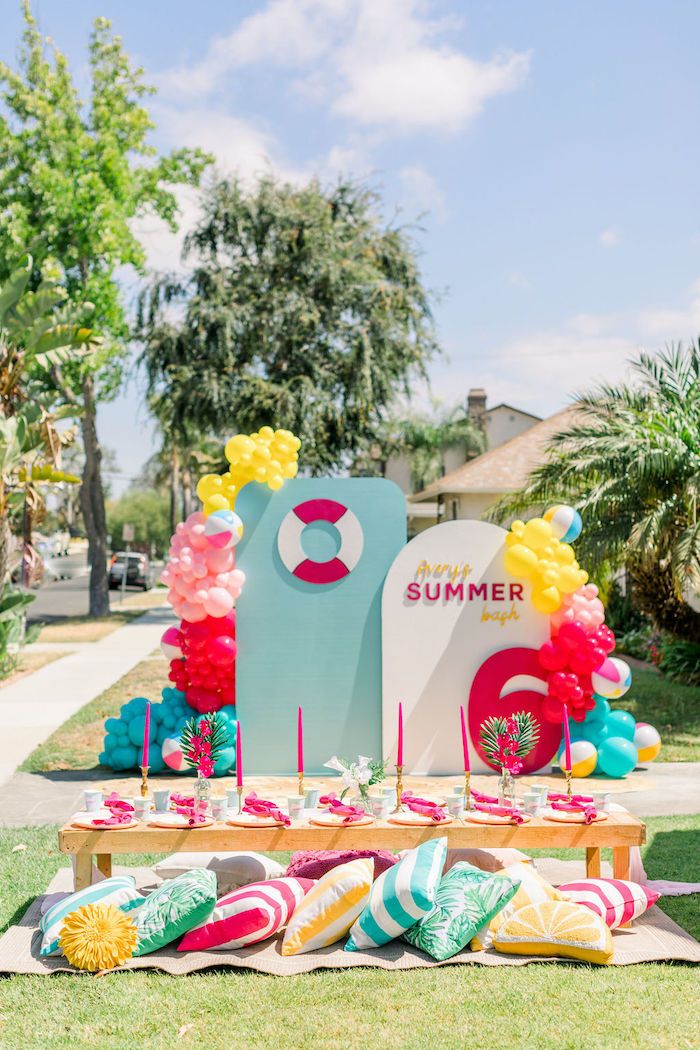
<point x="312" y="864"/>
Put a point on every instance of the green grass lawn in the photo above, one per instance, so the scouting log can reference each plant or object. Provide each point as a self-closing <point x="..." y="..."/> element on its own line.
<point x="673" y="708"/>
<point x="542" y="1006"/>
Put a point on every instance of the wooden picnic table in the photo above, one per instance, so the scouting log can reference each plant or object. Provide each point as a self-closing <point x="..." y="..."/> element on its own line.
<point x="620" y="832"/>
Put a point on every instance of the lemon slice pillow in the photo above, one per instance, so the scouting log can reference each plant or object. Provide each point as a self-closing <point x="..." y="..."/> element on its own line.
<point x="560" y="928"/>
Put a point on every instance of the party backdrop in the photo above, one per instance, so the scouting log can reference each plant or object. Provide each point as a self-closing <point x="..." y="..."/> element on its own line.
<point x="315" y="555"/>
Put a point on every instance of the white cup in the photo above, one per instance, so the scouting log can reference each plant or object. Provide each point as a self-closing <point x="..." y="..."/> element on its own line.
<point x="219" y="808"/>
<point x="142" y="808"/>
<point x="93" y="800"/>
<point x="601" y="800"/>
<point x="381" y="805"/>
<point x="295" y="806"/>
<point x="456" y="804"/>
<point x="161" y="799"/>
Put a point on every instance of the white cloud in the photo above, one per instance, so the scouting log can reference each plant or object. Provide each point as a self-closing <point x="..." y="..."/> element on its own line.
<point x="541" y="370"/>
<point x="518" y="280"/>
<point x="421" y="192"/>
<point x="387" y="65"/>
<point x="610" y="238"/>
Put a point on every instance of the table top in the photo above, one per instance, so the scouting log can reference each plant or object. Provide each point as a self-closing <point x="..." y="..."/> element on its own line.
<point x="620" y="829"/>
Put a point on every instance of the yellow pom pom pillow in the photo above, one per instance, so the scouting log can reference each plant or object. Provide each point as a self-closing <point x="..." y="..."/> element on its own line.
<point x="119" y="890"/>
<point x="327" y="912"/>
<point x="533" y="890"/>
<point x="560" y="928"/>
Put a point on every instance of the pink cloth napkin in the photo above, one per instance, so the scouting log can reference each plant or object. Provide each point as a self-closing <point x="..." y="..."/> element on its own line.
<point x="260" y="807"/>
<point x="589" y="812"/>
<point x="500" y="811"/>
<point x="423" y="806"/>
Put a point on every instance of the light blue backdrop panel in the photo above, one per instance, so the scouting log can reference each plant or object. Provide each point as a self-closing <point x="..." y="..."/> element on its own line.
<point x="318" y="646"/>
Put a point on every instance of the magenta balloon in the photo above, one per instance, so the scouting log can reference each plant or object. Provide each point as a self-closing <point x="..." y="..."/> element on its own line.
<point x="222" y="651"/>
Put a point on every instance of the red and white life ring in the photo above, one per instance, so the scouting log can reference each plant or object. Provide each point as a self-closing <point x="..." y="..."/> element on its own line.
<point x="292" y="553"/>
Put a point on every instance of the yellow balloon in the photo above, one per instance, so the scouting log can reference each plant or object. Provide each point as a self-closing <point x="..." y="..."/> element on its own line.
<point x="537" y="533"/>
<point x="546" y="600"/>
<point x="520" y="561"/>
<point x="208" y="485"/>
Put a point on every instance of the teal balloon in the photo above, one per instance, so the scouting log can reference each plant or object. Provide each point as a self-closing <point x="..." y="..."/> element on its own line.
<point x="621" y="723"/>
<point x="114" y="725"/>
<point x="103" y="758"/>
<point x="123" y="758"/>
<point x="112" y="742"/>
<point x="225" y="762"/>
<point x="601" y="710"/>
<point x="595" y="732"/>
<point x="155" y="760"/>
<point x="136" y="728"/>
<point x="617" y="756"/>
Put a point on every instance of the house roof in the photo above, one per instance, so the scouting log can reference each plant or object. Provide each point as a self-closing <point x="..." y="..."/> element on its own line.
<point x="512" y="408"/>
<point x="504" y="468"/>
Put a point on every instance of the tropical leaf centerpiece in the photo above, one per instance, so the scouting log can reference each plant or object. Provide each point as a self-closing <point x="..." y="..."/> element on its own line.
<point x="507" y="740"/>
<point x="202" y="740"/>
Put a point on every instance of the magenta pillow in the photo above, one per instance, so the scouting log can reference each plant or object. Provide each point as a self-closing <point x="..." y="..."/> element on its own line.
<point x="247" y="915"/>
<point x="313" y="864"/>
<point x="615" y="900"/>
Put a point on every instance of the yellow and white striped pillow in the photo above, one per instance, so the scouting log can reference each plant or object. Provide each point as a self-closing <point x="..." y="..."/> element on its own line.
<point x="330" y="908"/>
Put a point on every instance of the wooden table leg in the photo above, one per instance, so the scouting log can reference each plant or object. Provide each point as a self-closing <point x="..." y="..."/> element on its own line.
<point x="621" y="869"/>
<point x="593" y="862"/>
<point x="104" y="864"/>
<point x="83" y="871"/>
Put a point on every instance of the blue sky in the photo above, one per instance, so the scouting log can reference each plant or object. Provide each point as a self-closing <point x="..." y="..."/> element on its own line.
<point x="553" y="146"/>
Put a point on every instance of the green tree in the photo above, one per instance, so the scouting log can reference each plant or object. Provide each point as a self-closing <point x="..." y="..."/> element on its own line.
<point x="303" y="309"/>
<point x="424" y="437"/>
<point x="630" y="462"/>
<point x="73" y="177"/>
<point x="148" y="513"/>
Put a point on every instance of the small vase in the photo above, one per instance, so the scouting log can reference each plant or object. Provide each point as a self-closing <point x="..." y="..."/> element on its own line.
<point x="202" y="790"/>
<point x="506" y="788"/>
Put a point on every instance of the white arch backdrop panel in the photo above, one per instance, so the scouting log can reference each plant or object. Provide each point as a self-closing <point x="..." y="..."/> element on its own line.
<point x="447" y="605"/>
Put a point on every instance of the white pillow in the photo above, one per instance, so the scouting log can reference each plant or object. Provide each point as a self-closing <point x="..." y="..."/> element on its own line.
<point x="232" y="869"/>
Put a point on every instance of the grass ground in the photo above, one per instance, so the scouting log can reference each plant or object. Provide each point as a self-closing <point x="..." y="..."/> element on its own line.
<point x="77" y="743"/>
<point x="536" y="1007"/>
<point x="673" y="708"/>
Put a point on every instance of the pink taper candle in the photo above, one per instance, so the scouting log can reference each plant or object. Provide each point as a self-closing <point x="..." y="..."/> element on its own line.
<point x="399" y="749"/>
<point x="239" y="761"/>
<point x="300" y="740"/>
<point x="146" y="735"/>
<point x="567" y="740"/>
<point x="465" y="744"/>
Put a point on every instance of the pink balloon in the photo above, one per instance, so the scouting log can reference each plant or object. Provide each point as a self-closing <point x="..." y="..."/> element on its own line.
<point x="222" y="651"/>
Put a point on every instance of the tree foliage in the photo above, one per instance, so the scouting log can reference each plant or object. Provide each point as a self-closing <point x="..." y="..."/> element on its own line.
<point x="630" y="462"/>
<point x="74" y="176"/>
<point x="303" y="309"/>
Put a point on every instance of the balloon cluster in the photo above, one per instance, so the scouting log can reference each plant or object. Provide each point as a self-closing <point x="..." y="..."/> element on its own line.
<point x="174" y="758"/>
<point x="573" y="655"/>
<point x="201" y="657"/>
<point x="269" y="457"/>
<point x="533" y="552"/>
<point x="200" y="574"/>
<point x="611" y="742"/>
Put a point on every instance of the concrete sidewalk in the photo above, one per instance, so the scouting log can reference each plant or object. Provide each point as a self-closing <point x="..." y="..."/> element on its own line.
<point x="37" y="704"/>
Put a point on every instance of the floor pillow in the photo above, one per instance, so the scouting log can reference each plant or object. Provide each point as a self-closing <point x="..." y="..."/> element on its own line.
<point x="174" y="908"/>
<point x="558" y="928"/>
<point x="119" y="890"/>
<point x="232" y="869"/>
<point x="400" y="897"/>
<point x="247" y="915"/>
<point x="466" y="899"/>
<point x="615" y="900"/>
<point x="330" y="908"/>
<point x="533" y="890"/>
<point x="312" y="864"/>
<point x="486" y="859"/>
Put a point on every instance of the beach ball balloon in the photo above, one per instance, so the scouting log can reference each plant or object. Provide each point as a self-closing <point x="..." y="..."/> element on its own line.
<point x="584" y="757"/>
<point x="224" y="529"/>
<point x="565" y="521"/>
<point x="612" y="679"/>
<point x="171" y="644"/>
<point x="647" y="741"/>
<point x="621" y="723"/>
<point x="172" y="754"/>
<point x="617" y="756"/>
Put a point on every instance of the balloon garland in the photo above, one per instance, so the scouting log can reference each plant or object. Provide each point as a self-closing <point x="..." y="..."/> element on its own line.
<point x="582" y="676"/>
<point x="203" y="587"/>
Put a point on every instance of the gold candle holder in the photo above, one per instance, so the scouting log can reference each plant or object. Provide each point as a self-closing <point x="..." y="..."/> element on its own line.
<point x="567" y="774"/>
<point x="467" y="790"/>
<point x="240" y="798"/>
<point x="399" y="789"/>
<point x="301" y="782"/>
<point x="144" y="781"/>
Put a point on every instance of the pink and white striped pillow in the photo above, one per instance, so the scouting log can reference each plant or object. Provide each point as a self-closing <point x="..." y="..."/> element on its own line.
<point x="615" y="900"/>
<point x="248" y="915"/>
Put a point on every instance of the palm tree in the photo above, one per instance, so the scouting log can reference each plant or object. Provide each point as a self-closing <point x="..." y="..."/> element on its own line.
<point x="630" y="462"/>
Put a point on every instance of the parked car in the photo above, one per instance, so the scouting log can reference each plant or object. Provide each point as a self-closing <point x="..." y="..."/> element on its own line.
<point x="138" y="570"/>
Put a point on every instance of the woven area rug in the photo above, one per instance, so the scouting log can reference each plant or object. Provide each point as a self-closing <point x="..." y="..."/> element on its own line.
<point x="653" y="938"/>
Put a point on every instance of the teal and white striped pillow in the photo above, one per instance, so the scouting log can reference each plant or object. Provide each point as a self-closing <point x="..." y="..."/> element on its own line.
<point x="120" y="890"/>
<point x="402" y="895"/>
